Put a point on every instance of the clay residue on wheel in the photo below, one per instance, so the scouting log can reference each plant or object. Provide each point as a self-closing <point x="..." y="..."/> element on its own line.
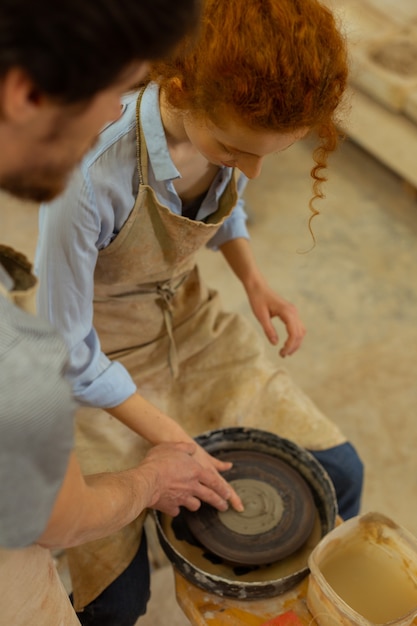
<point x="263" y="508"/>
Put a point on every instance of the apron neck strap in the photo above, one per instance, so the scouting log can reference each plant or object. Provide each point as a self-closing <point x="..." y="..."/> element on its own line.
<point x="141" y="151"/>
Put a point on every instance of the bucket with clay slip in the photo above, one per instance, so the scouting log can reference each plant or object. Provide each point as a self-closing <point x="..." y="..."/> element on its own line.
<point x="364" y="573"/>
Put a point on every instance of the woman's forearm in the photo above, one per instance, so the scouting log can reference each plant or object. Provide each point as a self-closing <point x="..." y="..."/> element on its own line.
<point x="148" y="421"/>
<point x="239" y="256"/>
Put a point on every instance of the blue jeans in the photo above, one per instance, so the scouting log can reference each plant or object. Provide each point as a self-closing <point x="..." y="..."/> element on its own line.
<point x="125" y="599"/>
<point x="345" y="469"/>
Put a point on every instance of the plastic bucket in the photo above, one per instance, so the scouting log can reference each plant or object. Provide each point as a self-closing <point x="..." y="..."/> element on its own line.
<point x="364" y="572"/>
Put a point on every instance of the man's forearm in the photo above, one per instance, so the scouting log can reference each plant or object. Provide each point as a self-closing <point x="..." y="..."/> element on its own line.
<point x="92" y="507"/>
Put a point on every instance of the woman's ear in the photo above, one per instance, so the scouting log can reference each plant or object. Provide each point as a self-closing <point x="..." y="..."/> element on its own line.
<point x="176" y="83"/>
<point x="176" y="91"/>
<point x="20" y="99"/>
<point x="176" y="86"/>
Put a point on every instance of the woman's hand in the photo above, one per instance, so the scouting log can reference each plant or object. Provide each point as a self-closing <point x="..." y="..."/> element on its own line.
<point x="267" y="304"/>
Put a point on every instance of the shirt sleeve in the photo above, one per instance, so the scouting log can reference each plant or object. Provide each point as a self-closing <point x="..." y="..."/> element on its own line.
<point x="71" y="230"/>
<point x="235" y="225"/>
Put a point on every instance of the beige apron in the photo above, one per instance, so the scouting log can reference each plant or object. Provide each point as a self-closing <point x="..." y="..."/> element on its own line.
<point x="31" y="592"/>
<point x="203" y="367"/>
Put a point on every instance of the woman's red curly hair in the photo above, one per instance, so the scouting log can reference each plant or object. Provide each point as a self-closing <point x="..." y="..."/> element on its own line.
<point x="280" y="65"/>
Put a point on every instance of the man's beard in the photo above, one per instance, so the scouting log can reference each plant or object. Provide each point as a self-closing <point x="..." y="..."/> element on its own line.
<point x="40" y="185"/>
<point x="41" y="182"/>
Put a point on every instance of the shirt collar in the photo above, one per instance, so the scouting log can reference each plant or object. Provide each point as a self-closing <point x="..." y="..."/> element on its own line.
<point x="156" y="143"/>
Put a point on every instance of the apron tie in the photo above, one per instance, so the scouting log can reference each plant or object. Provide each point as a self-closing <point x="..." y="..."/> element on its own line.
<point x="166" y="292"/>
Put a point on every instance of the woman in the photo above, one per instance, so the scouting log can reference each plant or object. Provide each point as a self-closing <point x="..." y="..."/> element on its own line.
<point x="148" y="339"/>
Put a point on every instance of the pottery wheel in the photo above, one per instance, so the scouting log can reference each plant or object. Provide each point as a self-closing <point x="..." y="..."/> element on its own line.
<point x="278" y="517"/>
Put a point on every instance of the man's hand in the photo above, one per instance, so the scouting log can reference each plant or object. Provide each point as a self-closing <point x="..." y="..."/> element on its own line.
<point x="213" y="465"/>
<point x="179" y="479"/>
<point x="90" y="507"/>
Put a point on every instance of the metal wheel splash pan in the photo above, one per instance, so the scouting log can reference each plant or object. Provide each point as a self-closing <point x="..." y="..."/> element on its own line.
<point x="215" y="563"/>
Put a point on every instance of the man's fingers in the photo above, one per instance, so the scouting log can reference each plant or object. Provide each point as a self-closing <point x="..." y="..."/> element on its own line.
<point x="221" y="466"/>
<point x="192" y="503"/>
<point x="171" y="510"/>
<point x="212" y="479"/>
<point x="205" y="494"/>
<point x="219" y="492"/>
<point x="236" y="502"/>
<point x="219" y="502"/>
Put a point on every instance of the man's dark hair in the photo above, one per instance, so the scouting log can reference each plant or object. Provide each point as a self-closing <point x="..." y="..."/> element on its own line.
<point x="72" y="49"/>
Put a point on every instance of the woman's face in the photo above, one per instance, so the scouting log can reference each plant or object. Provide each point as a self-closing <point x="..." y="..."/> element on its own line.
<point x="233" y="144"/>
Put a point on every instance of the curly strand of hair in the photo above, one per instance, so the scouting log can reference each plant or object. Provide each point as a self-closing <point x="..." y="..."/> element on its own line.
<point x="330" y="138"/>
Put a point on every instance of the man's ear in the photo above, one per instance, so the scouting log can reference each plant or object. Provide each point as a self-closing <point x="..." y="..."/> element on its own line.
<point x="20" y="99"/>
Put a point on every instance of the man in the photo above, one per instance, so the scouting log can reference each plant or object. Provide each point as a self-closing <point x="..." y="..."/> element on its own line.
<point x="63" y="68"/>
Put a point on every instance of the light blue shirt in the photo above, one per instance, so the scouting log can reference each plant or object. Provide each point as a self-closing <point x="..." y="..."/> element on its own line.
<point x="87" y="217"/>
